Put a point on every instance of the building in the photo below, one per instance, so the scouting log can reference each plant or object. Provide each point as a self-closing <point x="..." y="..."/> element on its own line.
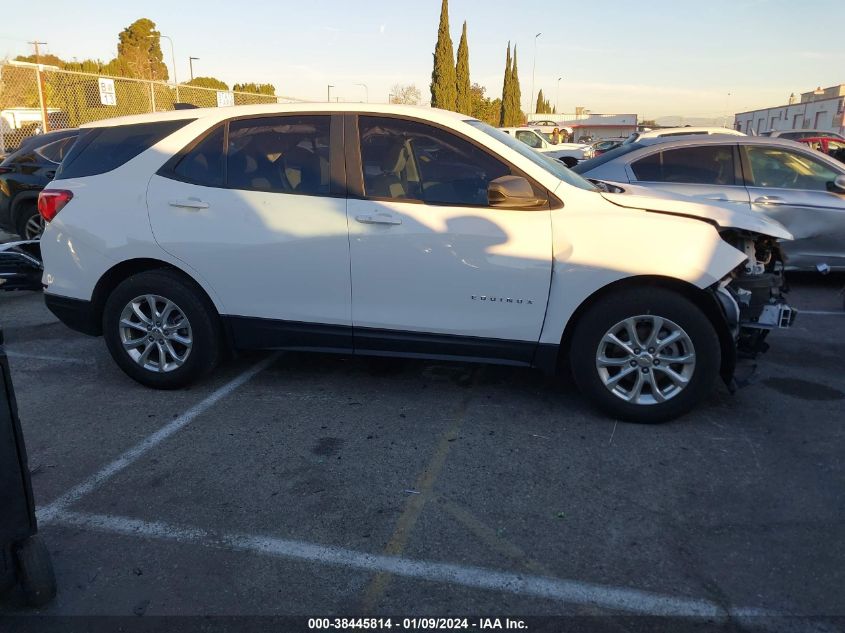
<point x="598" y="126"/>
<point x="821" y="109"/>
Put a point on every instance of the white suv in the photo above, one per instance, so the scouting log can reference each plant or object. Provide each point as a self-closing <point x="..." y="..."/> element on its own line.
<point x="394" y="231"/>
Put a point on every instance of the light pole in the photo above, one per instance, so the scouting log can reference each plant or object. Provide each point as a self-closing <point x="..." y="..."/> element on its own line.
<point x="191" y="64"/>
<point x="533" y="69"/>
<point x="366" y="92"/>
<point x="172" y="60"/>
<point x="329" y="93"/>
<point x="557" y="94"/>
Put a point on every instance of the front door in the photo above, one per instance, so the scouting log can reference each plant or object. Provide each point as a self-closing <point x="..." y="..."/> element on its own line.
<point x="263" y="225"/>
<point x="435" y="270"/>
<point x="792" y="187"/>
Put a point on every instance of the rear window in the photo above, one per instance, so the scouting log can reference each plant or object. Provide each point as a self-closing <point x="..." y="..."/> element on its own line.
<point x="56" y="151"/>
<point x="102" y="149"/>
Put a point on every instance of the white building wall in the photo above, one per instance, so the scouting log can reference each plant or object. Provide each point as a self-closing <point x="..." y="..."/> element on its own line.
<point x="825" y="114"/>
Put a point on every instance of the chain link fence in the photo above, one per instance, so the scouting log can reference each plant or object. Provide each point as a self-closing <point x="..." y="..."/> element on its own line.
<point x="38" y="98"/>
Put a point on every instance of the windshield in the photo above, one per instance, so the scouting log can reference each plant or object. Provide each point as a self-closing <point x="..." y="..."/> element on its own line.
<point x="585" y="166"/>
<point x="554" y="167"/>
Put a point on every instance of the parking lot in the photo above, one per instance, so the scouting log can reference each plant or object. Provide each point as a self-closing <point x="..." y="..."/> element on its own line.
<point x="294" y="484"/>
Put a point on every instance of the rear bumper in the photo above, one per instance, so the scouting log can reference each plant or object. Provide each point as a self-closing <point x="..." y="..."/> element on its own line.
<point x="77" y="314"/>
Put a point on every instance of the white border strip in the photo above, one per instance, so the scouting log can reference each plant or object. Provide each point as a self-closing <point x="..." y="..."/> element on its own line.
<point x="47" y="513"/>
<point x="568" y="591"/>
<point x="821" y="312"/>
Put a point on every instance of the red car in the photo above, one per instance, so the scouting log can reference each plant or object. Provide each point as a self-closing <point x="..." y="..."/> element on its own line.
<point x="833" y="147"/>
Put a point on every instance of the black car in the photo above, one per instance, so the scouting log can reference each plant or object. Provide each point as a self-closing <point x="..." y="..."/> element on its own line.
<point x="26" y="172"/>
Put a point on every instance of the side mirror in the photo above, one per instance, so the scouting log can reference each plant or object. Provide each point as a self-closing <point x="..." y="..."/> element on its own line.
<point x="569" y="161"/>
<point x="838" y="184"/>
<point x="513" y="192"/>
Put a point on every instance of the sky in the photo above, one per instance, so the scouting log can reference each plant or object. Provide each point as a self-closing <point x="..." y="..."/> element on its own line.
<point x="658" y="58"/>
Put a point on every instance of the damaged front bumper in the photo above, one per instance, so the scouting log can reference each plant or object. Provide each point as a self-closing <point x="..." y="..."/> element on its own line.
<point x="753" y="307"/>
<point x="20" y="266"/>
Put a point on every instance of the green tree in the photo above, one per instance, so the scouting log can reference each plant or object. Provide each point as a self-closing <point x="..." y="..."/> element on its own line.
<point x="260" y="89"/>
<point x="516" y="94"/>
<point x="463" y="101"/>
<point x="539" y="108"/>
<point x="443" y="92"/>
<point x="139" y="52"/>
<point x="482" y="107"/>
<point x="504" y="115"/>
<point x="207" y="82"/>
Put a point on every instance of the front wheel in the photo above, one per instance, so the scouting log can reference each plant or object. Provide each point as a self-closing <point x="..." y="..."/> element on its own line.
<point x="161" y="330"/>
<point x="645" y="355"/>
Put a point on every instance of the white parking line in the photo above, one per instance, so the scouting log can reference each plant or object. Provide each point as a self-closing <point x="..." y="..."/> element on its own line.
<point x="47" y="513"/>
<point x="52" y="359"/>
<point x="560" y="590"/>
<point x="821" y="312"/>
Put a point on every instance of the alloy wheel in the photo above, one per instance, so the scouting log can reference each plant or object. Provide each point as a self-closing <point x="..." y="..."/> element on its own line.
<point x="155" y="333"/>
<point x="645" y="359"/>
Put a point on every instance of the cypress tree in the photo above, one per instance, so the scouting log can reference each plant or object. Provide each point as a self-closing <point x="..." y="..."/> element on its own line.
<point x="504" y="116"/>
<point x="463" y="102"/>
<point x="540" y="108"/>
<point x="516" y="93"/>
<point x="443" y="92"/>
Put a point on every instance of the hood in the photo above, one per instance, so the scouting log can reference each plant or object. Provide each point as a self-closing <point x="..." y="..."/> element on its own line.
<point x="724" y="214"/>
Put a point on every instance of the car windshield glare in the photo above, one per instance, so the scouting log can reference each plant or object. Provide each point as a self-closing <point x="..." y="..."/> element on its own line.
<point x="554" y="167"/>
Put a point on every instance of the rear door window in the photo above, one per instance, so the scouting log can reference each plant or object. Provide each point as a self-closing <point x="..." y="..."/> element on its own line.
<point x="280" y="154"/>
<point x="203" y="165"/>
<point x="101" y="149"/>
<point x="55" y="151"/>
<point x="705" y="165"/>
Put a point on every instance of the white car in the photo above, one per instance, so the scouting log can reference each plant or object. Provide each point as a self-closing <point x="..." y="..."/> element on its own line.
<point x="537" y="141"/>
<point x="394" y="231"/>
<point x="680" y="131"/>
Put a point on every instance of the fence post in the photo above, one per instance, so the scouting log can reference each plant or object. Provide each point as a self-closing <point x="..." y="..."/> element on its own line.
<point x="42" y="99"/>
<point x="152" y="96"/>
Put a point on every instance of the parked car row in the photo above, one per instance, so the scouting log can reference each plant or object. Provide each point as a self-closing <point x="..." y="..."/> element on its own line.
<point x="784" y="180"/>
<point x="542" y="143"/>
<point x="23" y="174"/>
<point x="398" y="231"/>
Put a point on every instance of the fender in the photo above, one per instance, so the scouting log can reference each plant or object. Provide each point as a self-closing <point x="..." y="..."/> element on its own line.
<point x="616" y="244"/>
<point x="19" y="201"/>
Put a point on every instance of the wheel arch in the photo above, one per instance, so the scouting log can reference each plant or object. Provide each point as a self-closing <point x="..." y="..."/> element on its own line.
<point x="110" y="279"/>
<point x="702" y="298"/>
<point x="19" y="203"/>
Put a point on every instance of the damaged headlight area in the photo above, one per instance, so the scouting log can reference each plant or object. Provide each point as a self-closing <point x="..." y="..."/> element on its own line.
<point x="752" y="295"/>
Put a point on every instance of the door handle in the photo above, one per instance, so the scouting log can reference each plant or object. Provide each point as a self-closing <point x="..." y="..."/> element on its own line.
<point x="378" y="218"/>
<point x="189" y="204"/>
<point x="769" y="200"/>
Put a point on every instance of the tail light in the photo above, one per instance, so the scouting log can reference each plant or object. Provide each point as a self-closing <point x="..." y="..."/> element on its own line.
<point x="6" y="170"/>
<point x="51" y="201"/>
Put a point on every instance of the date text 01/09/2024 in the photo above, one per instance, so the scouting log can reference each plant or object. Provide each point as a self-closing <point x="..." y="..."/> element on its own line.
<point x="429" y="624"/>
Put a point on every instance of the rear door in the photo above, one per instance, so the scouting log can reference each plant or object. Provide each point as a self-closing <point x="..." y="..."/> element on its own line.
<point x="709" y="173"/>
<point x="793" y="187"/>
<point x="257" y="208"/>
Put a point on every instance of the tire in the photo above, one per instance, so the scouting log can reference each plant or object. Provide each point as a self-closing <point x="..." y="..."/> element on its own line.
<point x="35" y="572"/>
<point x="29" y="224"/>
<point x="179" y="348"/>
<point x="655" y="389"/>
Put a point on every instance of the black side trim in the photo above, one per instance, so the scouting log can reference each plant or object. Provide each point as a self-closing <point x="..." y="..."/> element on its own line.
<point x="257" y="333"/>
<point x="77" y="314"/>
<point x="442" y="345"/>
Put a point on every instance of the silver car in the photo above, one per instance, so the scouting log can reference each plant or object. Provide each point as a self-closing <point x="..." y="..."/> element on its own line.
<point x="802" y="189"/>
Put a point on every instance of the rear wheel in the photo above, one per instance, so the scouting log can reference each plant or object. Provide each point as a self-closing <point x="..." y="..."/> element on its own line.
<point x="30" y="224"/>
<point x="35" y="571"/>
<point x="161" y="329"/>
<point x="646" y="355"/>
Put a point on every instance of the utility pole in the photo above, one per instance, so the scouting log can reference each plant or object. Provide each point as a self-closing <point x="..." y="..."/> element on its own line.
<point x="191" y="64"/>
<point x="42" y="90"/>
<point x="366" y="91"/>
<point x="533" y="70"/>
<point x="329" y="93"/>
<point x="557" y="95"/>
